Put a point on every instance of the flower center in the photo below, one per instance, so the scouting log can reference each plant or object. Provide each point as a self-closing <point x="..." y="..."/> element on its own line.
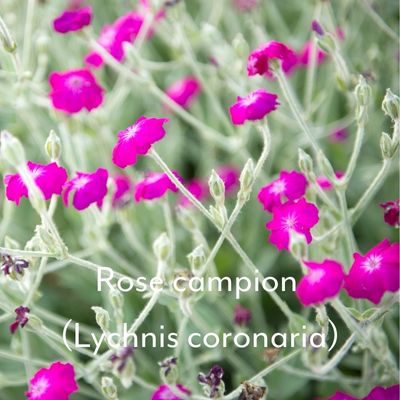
<point x="81" y="182"/>
<point x="250" y="99"/>
<point x="278" y="186"/>
<point x="372" y="263"/>
<point x="39" y="388"/>
<point x="315" y="275"/>
<point x="130" y="132"/>
<point x="289" y="222"/>
<point x="36" y="172"/>
<point x="75" y="83"/>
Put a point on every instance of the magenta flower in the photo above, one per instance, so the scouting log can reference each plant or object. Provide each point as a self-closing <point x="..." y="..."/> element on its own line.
<point x="73" y="20"/>
<point x="230" y="175"/>
<point x="21" y="319"/>
<point x="49" y="178"/>
<point x="123" y="191"/>
<point x="245" y="5"/>
<point x="89" y="188"/>
<point x="198" y="189"/>
<point x="56" y="382"/>
<point x="391" y="215"/>
<point x="242" y="316"/>
<point x="137" y="139"/>
<point x="184" y="91"/>
<point x="304" y="57"/>
<point x="375" y="273"/>
<point x="342" y="396"/>
<point x="73" y="90"/>
<point x="297" y="217"/>
<point x="380" y="393"/>
<point x="325" y="183"/>
<point x="163" y="392"/>
<point x="291" y="185"/>
<point x="258" y="61"/>
<point x="339" y="135"/>
<point x="323" y="282"/>
<point x="253" y="107"/>
<point x="154" y="186"/>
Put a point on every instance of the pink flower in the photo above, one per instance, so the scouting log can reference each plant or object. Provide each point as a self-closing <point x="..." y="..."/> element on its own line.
<point x="137" y="139"/>
<point x="242" y="316"/>
<point x="154" y="186"/>
<point x="245" y="5"/>
<point x="342" y="396"/>
<point x="373" y="274"/>
<point x="198" y="189"/>
<point x="49" y="178"/>
<point x="304" y="56"/>
<point x="297" y="217"/>
<point x="325" y="183"/>
<point x="163" y="392"/>
<point x="56" y="382"/>
<point x="230" y="175"/>
<point x="184" y="91"/>
<point x="339" y="135"/>
<point x="258" y="62"/>
<point x="391" y="215"/>
<point x="21" y="319"/>
<point x="123" y="191"/>
<point x="89" y="188"/>
<point x="73" y="90"/>
<point x="73" y="20"/>
<point x="380" y="393"/>
<point x="323" y="282"/>
<point x="291" y="185"/>
<point x="253" y="107"/>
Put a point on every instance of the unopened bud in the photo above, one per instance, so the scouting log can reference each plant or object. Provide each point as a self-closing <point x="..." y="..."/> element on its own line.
<point x="305" y="162"/>
<point x="363" y="94"/>
<point x="217" y="188"/>
<point x="326" y="167"/>
<point x="162" y="247"/>
<point x="219" y="216"/>
<point x="116" y="300"/>
<point x="180" y="282"/>
<point x="102" y="318"/>
<point x="8" y="41"/>
<point x="388" y="145"/>
<point x="391" y="105"/>
<point x="197" y="258"/>
<point x="53" y="146"/>
<point x="246" y="180"/>
<point x="108" y="388"/>
<point x="11" y="149"/>
<point x="327" y="43"/>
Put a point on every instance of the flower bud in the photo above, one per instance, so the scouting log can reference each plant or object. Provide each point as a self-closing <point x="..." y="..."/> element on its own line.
<point x="305" y="162"/>
<point x="391" y="105"/>
<point x="11" y="149"/>
<point x="162" y="247"/>
<point x="217" y="188"/>
<point x="108" y="388"/>
<point x="197" y="258"/>
<point x="240" y="46"/>
<point x="181" y="282"/>
<point x="327" y="43"/>
<point x="363" y="94"/>
<point x="8" y="41"/>
<point x="246" y="180"/>
<point x="219" y="216"/>
<point x="326" y="167"/>
<point x="102" y="318"/>
<point x="53" y="146"/>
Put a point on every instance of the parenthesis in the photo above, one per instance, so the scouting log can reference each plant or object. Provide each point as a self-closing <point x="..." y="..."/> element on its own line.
<point x="335" y="335"/>
<point x="65" y="335"/>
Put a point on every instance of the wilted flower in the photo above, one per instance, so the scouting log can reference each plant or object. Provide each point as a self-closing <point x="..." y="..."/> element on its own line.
<point x="56" y="382"/>
<point x="375" y="273"/>
<point x="258" y="62"/>
<point x="184" y="91"/>
<point x="120" y="358"/>
<point x="137" y="139"/>
<point x="74" y="90"/>
<point x="49" y="178"/>
<point x="154" y="186"/>
<point x="325" y="183"/>
<point x="391" y="215"/>
<point x="252" y="392"/>
<point x="21" y="319"/>
<point x="213" y="381"/>
<point x="123" y="190"/>
<point x="11" y="265"/>
<point x="253" y="107"/>
<point x="73" y="20"/>
<point x="198" y="188"/>
<point x="242" y="316"/>
<point x="339" y="135"/>
<point x="290" y="217"/>
<point x="317" y="28"/>
<point x="322" y="282"/>
<point x="163" y="392"/>
<point x="291" y="185"/>
<point x="88" y="188"/>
